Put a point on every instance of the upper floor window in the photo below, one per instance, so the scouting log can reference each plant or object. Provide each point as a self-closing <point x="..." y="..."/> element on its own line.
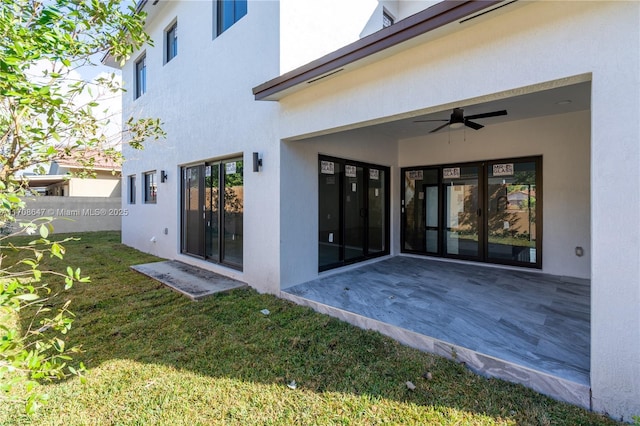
<point x="141" y="76"/>
<point x="150" y="188"/>
<point x="228" y="12"/>
<point x="171" y="41"/>
<point x="387" y="19"/>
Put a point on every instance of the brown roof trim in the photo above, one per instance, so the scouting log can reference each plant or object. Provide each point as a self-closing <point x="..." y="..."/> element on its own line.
<point x="422" y="22"/>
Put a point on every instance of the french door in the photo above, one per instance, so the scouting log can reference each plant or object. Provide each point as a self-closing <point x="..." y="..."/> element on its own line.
<point x="353" y="211"/>
<point x="212" y="211"/>
<point x="487" y="211"/>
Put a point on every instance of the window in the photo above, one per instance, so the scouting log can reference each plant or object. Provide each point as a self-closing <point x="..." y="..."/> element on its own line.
<point x="171" y="42"/>
<point x="387" y="19"/>
<point x="228" y="12"/>
<point x="141" y="76"/>
<point x="131" y="188"/>
<point x="150" y="188"/>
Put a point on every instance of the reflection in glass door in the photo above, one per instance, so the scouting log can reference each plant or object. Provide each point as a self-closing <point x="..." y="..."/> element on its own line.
<point x="462" y="213"/>
<point x="233" y="211"/>
<point x="329" y="208"/>
<point x="352" y="212"/>
<point x="377" y="211"/>
<point x="212" y="184"/>
<point x="511" y="211"/>
<point x="192" y="211"/>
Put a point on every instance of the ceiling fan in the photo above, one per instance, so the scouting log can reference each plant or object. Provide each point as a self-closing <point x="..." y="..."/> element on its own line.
<point x="458" y="119"/>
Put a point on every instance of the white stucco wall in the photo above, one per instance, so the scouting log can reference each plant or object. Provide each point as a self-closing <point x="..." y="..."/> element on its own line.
<point x="299" y="186"/>
<point x="535" y="43"/>
<point x="203" y="96"/>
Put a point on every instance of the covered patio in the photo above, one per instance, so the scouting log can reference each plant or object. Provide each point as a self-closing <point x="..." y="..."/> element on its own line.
<point x="518" y="325"/>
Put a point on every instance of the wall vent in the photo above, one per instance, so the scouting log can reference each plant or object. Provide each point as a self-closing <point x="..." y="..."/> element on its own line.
<point x="487" y="11"/>
<point x="325" y="76"/>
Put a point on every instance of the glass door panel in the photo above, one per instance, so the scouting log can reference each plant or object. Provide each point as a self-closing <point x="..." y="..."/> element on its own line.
<point x="462" y="212"/>
<point x="330" y="237"/>
<point x="233" y="211"/>
<point x="355" y="212"/>
<point x="511" y="212"/>
<point x="212" y="225"/>
<point x="192" y="211"/>
<point x="418" y="230"/>
<point x="432" y="221"/>
<point x="377" y="202"/>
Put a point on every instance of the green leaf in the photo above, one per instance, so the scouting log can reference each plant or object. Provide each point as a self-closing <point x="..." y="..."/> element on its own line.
<point x="28" y="297"/>
<point x="44" y="231"/>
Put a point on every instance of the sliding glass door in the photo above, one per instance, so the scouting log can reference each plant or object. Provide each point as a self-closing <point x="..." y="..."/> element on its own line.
<point x="212" y="211"/>
<point x="487" y="211"/>
<point x="353" y="211"/>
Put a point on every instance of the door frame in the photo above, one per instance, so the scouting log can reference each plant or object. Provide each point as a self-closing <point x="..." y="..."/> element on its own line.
<point x="341" y="206"/>
<point x="483" y="199"/>
<point x="219" y="257"/>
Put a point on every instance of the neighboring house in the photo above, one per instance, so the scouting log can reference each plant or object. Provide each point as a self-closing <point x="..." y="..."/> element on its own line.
<point x="60" y="181"/>
<point x="338" y="100"/>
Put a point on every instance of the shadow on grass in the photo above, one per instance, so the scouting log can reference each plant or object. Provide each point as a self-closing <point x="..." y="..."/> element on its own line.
<point x="125" y="315"/>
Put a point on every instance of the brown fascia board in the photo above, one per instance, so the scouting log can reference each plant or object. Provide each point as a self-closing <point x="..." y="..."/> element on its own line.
<point x="434" y="17"/>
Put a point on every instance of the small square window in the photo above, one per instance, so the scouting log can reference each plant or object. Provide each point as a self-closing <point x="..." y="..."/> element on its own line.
<point x="150" y="188"/>
<point x="228" y="12"/>
<point x="131" y="189"/>
<point x="171" y="41"/>
<point x="387" y="19"/>
<point x="141" y="76"/>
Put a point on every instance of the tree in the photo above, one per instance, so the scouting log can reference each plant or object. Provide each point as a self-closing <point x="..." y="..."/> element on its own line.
<point x="47" y="113"/>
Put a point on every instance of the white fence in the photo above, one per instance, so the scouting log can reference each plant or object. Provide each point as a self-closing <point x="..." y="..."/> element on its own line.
<point x="74" y="214"/>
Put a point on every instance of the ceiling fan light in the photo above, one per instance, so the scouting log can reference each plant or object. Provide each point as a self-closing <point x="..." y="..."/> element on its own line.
<point x="455" y="126"/>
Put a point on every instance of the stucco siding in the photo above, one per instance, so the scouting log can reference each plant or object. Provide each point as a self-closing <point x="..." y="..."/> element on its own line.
<point x="203" y="97"/>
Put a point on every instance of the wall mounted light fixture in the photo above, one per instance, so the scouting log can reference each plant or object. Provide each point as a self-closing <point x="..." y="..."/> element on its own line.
<point x="257" y="162"/>
<point x="163" y="176"/>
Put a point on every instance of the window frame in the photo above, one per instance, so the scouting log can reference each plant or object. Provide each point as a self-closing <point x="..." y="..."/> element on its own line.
<point x="221" y="10"/>
<point x="131" y="189"/>
<point x="150" y="187"/>
<point x="387" y="16"/>
<point x="140" y="76"/>
<point x="171" y="41"/>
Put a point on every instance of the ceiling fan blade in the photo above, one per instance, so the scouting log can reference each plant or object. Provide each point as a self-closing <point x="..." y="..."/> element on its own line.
<point x="426" y="121"/>
<point x="441" y="127"/>
<point x="474" y="126"/>
<point x="487" y="114"/>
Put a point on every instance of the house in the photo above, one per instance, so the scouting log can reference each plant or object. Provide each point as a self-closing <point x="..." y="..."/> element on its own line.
<point x="61" y="181"/>
<point x="307" y="136"/>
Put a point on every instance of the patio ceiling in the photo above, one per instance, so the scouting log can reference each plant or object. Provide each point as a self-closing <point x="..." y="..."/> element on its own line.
<point x="560" y="100"/>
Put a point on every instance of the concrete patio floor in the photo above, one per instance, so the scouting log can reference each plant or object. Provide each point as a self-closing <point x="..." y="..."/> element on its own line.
<point x="518" y="325"/>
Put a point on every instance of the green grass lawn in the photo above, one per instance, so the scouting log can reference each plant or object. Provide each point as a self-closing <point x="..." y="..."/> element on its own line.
<point x="155" y="357"/>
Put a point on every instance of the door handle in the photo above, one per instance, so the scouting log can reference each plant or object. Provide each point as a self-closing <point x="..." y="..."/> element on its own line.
<point x="363" y="212"/>
<point x="479" y="212"/>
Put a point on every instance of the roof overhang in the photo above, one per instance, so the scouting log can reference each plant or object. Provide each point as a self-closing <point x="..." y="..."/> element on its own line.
<point x="45" y="180"/>
<point x="435" y="21"/>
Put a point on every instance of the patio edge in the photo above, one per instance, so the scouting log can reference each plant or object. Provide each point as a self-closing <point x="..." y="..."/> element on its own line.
<point x="482" y="364"/>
